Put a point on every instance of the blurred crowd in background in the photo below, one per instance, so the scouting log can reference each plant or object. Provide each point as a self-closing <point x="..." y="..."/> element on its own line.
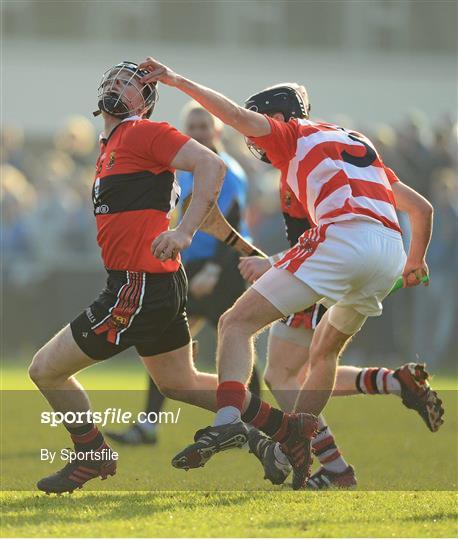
<point x="48" y="227"/>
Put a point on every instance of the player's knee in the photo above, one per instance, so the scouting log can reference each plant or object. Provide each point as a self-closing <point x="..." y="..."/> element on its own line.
<point x="34" y="373"/>
<point x="42" y="374"/>
<point x="232" y="322"/>
<point x="37" y="369"/>
<point x="225" y="322"/>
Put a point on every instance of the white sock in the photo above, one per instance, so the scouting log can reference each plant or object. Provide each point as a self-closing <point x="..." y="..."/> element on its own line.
<point x="393" y="385"/>
<point x="148" y="427"/>
<point x="280" y="457"/>
<point x="227" y="415"/>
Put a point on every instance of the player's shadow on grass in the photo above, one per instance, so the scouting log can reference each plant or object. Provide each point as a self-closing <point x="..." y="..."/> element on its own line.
<point x="441" y="516"/>
<point x="111" y="506"/>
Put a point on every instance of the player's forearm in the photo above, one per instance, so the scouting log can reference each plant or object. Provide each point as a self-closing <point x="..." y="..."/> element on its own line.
<point x="231" y="114"/>
<point x="421" y="223"/>
<point x="208" y="178"/>
<point x="221" y="106"/>
<point x="420" y="214"/>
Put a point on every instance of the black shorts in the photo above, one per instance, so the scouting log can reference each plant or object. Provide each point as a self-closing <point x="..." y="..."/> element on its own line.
<point x="147" y="311"/>
<point x="229" y="287"/>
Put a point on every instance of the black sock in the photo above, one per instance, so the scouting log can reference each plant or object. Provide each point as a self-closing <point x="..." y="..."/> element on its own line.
<point x="85" y="437"/>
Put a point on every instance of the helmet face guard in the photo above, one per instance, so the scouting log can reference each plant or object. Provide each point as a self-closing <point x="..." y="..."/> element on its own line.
<point x="113" y="97"/>
<point x="282" y="98"/>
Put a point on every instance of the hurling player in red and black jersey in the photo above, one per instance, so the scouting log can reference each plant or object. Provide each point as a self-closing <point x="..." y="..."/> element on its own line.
<point x="144" y="302"/>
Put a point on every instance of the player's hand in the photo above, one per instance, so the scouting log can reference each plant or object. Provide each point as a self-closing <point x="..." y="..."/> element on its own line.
<point x="413" y="272"/>
<point x="252" y="268"/>
<point x="204" y="282"/>
<point x="169" y="243"/>
<point x="158" y="72"/>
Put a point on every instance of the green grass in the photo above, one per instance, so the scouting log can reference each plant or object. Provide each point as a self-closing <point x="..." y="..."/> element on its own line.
<point x="206" y="514"/>
<point x="407" y="476"/>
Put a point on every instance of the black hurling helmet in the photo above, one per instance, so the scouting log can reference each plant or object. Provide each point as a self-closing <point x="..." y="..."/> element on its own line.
<point x="115" y="102"/>
<point x="290" y="99"/>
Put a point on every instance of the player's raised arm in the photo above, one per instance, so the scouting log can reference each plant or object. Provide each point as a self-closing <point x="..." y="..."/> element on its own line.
<point x="208" y="171"/>
<point x="420" y="213"/>
<point x="249" y="123"/>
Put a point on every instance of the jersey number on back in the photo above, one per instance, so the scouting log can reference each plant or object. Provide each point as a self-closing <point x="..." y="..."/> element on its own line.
<point x="363" y="161"/>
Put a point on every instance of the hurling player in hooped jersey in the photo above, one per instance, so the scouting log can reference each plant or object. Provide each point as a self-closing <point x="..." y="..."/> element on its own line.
<point x="144" y="302"/>
<point x="348" y="260"/>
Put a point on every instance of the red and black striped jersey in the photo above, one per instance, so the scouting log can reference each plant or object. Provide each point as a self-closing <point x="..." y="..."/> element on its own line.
<point x="134" y="192"/>
<point x="294" y="214"/>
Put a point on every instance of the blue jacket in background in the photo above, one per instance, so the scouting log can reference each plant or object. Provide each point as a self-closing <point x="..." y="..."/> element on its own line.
<point x="233" y="194"/>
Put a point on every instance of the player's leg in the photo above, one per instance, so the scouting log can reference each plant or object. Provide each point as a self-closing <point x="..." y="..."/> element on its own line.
<point x="254" y="382"/>
<point x="171" y="361"/>
<point x="142" y="433"/>
<point x="410" y="382"/>
<point x="228" y="289"/>
<point x="334" y="330"/>
<point x="288" y="347"/>
<point x="253" y="311"/>
<point x="286" y="371"/>
<point x="146" y="432"/>
<point x="52" y="370"/>
<point x="177" y="378"/>
<point x="287" y="362"/>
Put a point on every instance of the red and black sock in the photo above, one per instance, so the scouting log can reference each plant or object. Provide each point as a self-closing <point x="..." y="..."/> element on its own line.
<point x="86" y="437"/>
<point x="271" y="421"/>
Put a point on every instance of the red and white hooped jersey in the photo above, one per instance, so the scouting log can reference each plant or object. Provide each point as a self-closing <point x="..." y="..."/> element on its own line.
<point x="337" y="175"/>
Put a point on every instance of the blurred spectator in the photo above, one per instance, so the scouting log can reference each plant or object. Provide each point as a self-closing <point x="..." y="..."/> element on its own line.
<point x="17" y="201"/>
<point x="436" y="306"/>
<point x="12" y="145"/>
<point x="77" y="139"/>
<point x="48" y="222"/>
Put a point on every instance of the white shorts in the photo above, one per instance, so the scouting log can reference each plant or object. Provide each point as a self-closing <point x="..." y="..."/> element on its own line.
<point x="300" y="336"/>
<point x="350" y="264"/>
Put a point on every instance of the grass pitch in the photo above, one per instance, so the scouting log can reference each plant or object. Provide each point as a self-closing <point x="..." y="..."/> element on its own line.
<point x="407" y="476"/>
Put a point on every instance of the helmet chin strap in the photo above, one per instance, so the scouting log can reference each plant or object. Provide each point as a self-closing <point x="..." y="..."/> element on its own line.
<point x="114" y="102"/>
<point x="147" y="114"/>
